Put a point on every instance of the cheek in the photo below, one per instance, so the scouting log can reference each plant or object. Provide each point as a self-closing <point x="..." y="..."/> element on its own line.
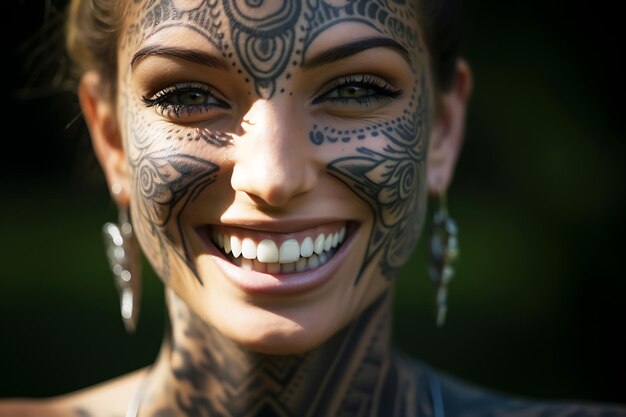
<point x="168" y="166"/>
<point x="384" y="164"/>
<point x="166" y="163"/>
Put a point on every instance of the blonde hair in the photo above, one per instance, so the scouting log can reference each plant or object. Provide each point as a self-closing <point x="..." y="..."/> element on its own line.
<point x="92" y="36"/>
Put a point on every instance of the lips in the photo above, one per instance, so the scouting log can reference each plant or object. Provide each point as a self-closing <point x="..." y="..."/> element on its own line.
<point x="279" y="263"/>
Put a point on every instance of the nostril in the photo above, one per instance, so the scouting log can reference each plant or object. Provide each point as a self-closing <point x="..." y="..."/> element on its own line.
<point x="273" y="200"/>
<point x="271" y="185"/>
<point x="260" y="202"/>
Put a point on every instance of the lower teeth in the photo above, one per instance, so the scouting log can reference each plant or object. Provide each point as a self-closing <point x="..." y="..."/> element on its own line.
<point x="303" y="264"/>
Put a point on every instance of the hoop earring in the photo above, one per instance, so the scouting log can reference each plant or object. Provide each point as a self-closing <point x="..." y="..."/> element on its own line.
<point x="123" y="256"/>
<point x="443" y="249"/>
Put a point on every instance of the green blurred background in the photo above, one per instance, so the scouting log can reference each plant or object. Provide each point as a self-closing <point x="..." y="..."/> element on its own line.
<point x="537" y="305"/>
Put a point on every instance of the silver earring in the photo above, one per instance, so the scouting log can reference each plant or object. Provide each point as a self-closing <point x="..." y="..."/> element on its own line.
<point x="443" y="250"/>
<point x="123" y="255"/>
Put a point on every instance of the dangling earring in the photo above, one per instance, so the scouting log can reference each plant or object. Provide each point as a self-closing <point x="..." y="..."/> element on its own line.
<point x="123" y="256"/>
<point x="442" y="251"/>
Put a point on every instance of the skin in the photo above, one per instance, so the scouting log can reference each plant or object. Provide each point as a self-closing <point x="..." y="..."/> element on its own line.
<point x="207" y="374"/>
<point x="243" y="164"/>
<point x="321" y="111"/>
<point x="318" y="112"/>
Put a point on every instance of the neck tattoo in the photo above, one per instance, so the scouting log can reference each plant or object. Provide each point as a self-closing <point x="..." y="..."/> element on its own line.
<point x="210" y="375"/>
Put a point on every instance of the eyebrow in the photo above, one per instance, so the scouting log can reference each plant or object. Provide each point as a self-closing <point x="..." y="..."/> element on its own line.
<point x="353" y="48"/>
<point x="192" y="55"/>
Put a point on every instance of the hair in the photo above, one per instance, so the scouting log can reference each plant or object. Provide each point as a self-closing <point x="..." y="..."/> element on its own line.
<point x="93" y="33"/>
<point x="441" y="22"/>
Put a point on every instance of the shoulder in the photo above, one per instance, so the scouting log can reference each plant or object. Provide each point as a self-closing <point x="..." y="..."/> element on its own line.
<point x="444" y="395"/>
<point x="109" y="398"/>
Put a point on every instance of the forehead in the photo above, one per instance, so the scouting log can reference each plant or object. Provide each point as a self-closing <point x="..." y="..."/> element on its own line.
<point x="266" y="39"/>
<point x="266" y="25"/>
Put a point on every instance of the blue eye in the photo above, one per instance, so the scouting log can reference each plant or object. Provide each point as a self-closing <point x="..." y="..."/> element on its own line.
<point x="189" y="98"/>
<point x="358" y="89"/>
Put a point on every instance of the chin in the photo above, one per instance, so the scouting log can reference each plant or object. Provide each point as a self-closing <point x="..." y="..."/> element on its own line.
<point x="280" y="312"/>
<point x="272" y="334"/>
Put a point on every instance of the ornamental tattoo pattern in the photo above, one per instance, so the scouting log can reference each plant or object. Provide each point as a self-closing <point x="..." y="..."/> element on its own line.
<point x="263" y="36"/>
<point x="390" y="181"/>
<point x="263" y="40"/>
<point x="353" y="365"/>
<point x="164" y="180"/>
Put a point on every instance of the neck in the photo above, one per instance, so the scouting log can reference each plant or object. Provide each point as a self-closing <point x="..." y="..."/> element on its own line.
<point x="201" y="373"/>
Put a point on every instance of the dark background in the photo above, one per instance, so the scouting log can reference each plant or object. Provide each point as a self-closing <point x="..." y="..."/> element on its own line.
<point x="537" y="305"/>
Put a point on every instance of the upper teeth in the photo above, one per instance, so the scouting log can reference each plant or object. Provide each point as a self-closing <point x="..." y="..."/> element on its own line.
<point x="289" y="251"/>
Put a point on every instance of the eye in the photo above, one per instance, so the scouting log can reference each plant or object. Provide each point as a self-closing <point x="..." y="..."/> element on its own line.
<point x="351" y="91"/>
<point x="361" y="89"/>
<point x="184" y="100"/>
<point x="191" y="98"/>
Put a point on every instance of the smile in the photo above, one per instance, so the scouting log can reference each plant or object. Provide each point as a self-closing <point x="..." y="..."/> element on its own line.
<point x="269" y="263"/>
<point x="280" y="254"/>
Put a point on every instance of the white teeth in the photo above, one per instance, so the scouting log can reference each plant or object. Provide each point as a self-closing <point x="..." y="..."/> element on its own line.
<point x="323" y="258"/>
<point x="318" y="246"/>
<point x="313" y="262"/>
<point x="273" y="268"/>
<point x="328" y="243"/>
<point x="289" y="251"/>
<point x="290" y="257"/>
<point x="267" y="251"/>
<point x="306" y="248"/>
<point x="235" y="246"/>
<point x="301" y="264"/>
<point x="248" y="248"/>
<point x="247" y="264"/>
<point x="226" y="244"/>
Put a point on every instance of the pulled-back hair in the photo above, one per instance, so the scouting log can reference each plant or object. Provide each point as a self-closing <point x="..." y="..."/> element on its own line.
<point x="92" y="37"/>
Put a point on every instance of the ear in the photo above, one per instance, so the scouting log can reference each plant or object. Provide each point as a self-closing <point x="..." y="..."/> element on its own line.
<point x="446" y="137"/>
<point x="99" y="113"/>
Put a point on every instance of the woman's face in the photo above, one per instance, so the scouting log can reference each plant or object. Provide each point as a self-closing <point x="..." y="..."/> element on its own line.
<point x="276" y="154"/>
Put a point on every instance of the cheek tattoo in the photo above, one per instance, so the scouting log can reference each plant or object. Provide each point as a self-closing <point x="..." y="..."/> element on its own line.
<point x="164" y="181"/>
<point x="263" y="42"/>
<point x="390" y="181"/>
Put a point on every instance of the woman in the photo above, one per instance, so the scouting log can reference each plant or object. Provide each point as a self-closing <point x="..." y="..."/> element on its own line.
<point x="275" y="159"/>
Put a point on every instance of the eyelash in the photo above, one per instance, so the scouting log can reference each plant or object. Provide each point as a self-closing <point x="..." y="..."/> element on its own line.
<point x="162" y="100"/>
<point x="382" y="90"/>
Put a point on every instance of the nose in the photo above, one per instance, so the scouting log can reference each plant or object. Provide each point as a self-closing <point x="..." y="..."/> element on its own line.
<point x="273" y="161"/>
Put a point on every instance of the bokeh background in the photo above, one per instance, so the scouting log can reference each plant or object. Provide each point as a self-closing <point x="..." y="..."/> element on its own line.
<point x="537" y="307"/>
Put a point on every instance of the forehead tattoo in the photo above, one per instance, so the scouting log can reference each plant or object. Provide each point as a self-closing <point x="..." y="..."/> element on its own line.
<point x="263" y="39"/>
